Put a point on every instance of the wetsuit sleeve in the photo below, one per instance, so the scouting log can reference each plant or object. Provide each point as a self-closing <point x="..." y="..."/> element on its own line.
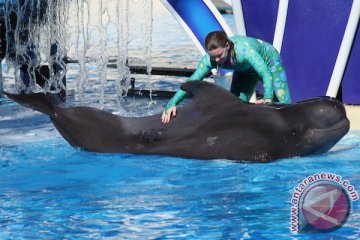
<point x="201" y="71"/>
<point x="176" y="99"/>
<point x="259" y="65"/>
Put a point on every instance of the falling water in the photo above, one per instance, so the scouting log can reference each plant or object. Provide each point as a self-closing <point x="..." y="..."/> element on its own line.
<point x="103" y="54"/>
<point x="82" y="39"/>
<point x="90" y="33"/>
<point x="34" y="39"/>
<point x="148" y="44"/>
<point x="2" y="50"/>
<point x="103" y="36"/>
<point x="1" y="82"/>
<point x="122" y="29"/>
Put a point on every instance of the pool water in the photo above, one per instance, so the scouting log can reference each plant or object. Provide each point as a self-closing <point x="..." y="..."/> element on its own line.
<point x="50" y="190"/>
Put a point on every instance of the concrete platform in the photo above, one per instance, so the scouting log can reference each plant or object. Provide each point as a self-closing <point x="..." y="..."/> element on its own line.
<point x="353" y="114"/>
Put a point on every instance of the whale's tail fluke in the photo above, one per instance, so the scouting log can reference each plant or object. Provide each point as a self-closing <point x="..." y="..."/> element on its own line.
<point x="37" y="101"/>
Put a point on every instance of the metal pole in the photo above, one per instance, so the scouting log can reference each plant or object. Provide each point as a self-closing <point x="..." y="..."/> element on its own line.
<point x="345" y="49"/>
<point x="280" y="24"/>
<point x="239" y="17"/>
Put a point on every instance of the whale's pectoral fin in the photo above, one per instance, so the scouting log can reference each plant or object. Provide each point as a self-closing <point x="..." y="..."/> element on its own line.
<point x="206" y="92"/>
<point x="37" y="101"/>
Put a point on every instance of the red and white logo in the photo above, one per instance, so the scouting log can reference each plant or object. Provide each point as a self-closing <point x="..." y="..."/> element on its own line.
<point x="321" y="203"/>
<point x="325" y="206"/>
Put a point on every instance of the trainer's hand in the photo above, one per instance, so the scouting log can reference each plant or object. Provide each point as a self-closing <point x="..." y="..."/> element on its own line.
<point x="166" y="116"/>
<point x="263" y="101"/>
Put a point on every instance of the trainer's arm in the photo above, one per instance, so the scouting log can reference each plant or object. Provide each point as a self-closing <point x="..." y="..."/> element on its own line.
<point x="201" y="71"/>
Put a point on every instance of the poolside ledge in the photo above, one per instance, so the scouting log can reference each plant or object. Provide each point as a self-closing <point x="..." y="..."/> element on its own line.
<point x="353" y="113"/>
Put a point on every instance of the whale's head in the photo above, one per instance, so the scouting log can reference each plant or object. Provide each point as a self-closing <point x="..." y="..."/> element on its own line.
<point x="321" y="122"/>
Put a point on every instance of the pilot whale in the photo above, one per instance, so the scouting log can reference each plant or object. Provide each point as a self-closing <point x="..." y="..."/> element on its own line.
<point x="214" y="125"/>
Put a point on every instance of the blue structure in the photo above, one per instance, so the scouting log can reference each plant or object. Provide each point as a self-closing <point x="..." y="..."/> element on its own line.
<point x="314" y="42"/>
<point x="198" y="18"/>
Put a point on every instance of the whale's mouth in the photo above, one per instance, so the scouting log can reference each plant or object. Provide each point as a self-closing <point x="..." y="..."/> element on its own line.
<point x="327" y="137"/>
<point x="344" y="124"/>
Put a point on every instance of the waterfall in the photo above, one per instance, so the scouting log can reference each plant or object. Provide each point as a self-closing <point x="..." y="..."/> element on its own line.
<point x="35" y="39"/>
<point x="122" y="30"/>
<point x="148" y="44"/>
<point x="43" y="35"/>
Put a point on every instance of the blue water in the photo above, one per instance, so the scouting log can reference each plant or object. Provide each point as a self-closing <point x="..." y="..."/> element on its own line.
<point x="49" y="190"/>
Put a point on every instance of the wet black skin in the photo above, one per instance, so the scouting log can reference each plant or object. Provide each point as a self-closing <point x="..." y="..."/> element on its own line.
<point x="215" y="125"/>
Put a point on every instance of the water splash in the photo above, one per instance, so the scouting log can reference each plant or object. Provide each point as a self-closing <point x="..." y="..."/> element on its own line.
<point x="82" y="37"/>
<point x="33" y="48"/>
<point x="122" y="28"/>
<point x="103" y="59"/>
<point x="105" y="30"/>
<point x="148" y="44"/>
<point x="1" y="82"/>
<point x="89" y="33"/>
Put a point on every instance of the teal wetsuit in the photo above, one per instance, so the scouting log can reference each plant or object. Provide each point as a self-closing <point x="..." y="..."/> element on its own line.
<point x="255" y="60"/>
